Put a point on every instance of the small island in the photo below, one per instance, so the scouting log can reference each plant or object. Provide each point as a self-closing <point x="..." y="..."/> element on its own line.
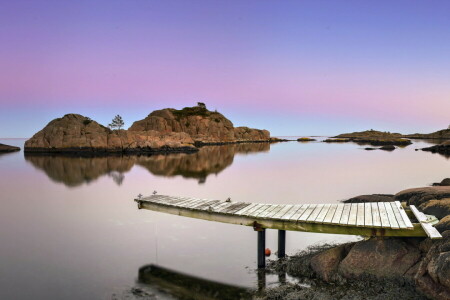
<point x="7" y="148"/>
<point x="372" y="137"/>
<point x="305" y="139"/>
<point x="162" y="131"/>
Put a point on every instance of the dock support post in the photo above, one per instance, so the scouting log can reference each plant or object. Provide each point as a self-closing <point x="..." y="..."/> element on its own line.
<point x="281" y="243"/>
<point x="261" y="248"/>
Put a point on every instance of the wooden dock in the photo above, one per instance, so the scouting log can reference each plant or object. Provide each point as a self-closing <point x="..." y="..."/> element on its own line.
<point x="376" y="219"/>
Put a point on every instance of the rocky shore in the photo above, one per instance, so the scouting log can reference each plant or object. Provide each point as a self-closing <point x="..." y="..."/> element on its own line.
<point x="373" y="138"/>
<point x="7" y="148"/>
<point x="389" y="268"/>
<point x="443" y="148"/>
<point x="162" y="131"/>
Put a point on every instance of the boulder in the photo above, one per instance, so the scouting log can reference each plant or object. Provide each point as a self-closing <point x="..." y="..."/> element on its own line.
<point x="388" y="148"/>
<point x="389" y="258"/>
<point x="444" y="182"/>
<point x="417" y="196"/>
<point x="325" y="264"/>
<point x="438" y="208"/>
<point x="7" y="148"/>
<point x="444" y="224"/>
<point x="370" y="198"/>
<point x="443" y="148"/>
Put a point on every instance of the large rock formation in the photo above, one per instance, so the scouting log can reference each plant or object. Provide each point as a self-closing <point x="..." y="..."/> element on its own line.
<point x="167" y="130"/>
<point x="204" y="126"/>
<point x="439" y="135"/>
<point x="76" y="133"/>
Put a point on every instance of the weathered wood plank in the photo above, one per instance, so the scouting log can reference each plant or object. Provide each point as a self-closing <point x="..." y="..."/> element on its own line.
<point x="260" y="210"/>
<point x="282" y="212"/>
<point x="398" y="216"/>
<point x="404" y="215"/>
<point x="300" y="213"/>
<point x="383" y="215"/>
<point x="323" y="213"/>
<point x="330" y="214"/>
<point x="360" y="215"/>
<point x="368" y="214"/>
<point x="345" y="214"/>
<point x="225" y="207"/>
<point x="195" y="203"/>
<point x="391" y="216"/>
<point x="245" y="209"/>
<point x="292" y="211"/>
<point x="305" y="215"/>
<point x="206" y="205"/>
<point x="235" y="206"/>
<point x="432" y="232"/>
<point x="353" y="214"/>
<point x="268" y="211"/>
<point x="313" y="216"/>
<point x="253" y="209"/>
<point x="338" y="214"/>
<point x="376" y="221"/>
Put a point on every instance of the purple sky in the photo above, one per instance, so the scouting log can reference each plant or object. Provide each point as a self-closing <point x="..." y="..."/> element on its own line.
<point x="292" y="67"/>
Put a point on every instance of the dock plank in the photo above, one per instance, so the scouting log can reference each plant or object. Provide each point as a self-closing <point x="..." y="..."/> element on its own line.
<point x="273" y="209"/>
<point x="304" y="216"/>
<point x="338" y="214"/>
<point x="353" y="214"/>
<point x="313" y="216"/>
<point x="391" y="216"/>
<point x="260" y="210"/>
<point x="330" y="214"/>
<point x="323" y="213"/>
<point x="432" y="232"/>
<point x="404" y="215"/>
<point x="368" y="214"/>
<point x="253" y="209"/>
<point x="245" y="209"/>
<point x="360" y="215"/>
<point x="345" y="214"/>
<point x="281" y="212"/>
<point x="398" y="216"/>
<point x="376" y="221"/>
<point x="292" y="211"/>
<point x="383" y="215"/>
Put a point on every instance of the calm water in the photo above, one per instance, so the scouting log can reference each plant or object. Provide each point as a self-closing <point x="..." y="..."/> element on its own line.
<point x="69" y="228"/>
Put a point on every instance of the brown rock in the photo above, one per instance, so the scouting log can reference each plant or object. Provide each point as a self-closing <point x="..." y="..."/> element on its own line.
<point x="370" y="198"/>
<point x="325" y="263"/>
<point x="444" y="224"/>
<point x="438" y="208"/>
<point x="381" y="258"/>
<point x="417" y="196"/>
<point x="8" y="148"/>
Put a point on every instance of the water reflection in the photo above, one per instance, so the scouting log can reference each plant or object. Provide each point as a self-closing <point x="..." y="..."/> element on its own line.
<point x="75" y="171"/>
<point x="184" y="286"/>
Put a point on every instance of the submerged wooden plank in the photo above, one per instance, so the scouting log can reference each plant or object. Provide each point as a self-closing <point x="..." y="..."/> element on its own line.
<point x="391" y="216"/>
<point x="360" y="215"/>
<point x="345" y="214"/>
<point x="353" y="214"/>
<point x="383" y="215"/>
<point x="292" y="212"/>
<point x="432" y="232"/>
<point x="404" y="215"/>
<point x="330" y="214"/>
<point x="313" y="216"/>
<point x="376" y="221"/>
<point x="323" y="213"/>
<point x="398" y="216"/>
<point x="368" y="214"/>
<point x="338" y="214"/>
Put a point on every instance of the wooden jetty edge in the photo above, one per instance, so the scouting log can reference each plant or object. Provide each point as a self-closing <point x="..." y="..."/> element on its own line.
<point x="376" y="219"/>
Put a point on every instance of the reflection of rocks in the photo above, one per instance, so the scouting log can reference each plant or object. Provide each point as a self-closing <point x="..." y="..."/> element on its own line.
<point x="74" y="171"/>
<point x="443" y="148"/>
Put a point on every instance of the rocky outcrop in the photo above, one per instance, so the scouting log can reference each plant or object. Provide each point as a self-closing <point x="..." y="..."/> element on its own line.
<point x="203" y="126"/>
<point x="306" y="139"/>
<point x="443" y="148"/>
<point x="7" y="148"/>
<point x="167" y="130"/>
<point x="375" y="138"/>
<point x="371" y="198"/>
<point x="444" y="182"/>
<point x="438" y="135"/>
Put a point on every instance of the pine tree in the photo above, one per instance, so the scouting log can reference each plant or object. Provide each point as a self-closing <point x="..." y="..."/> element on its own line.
<point x="117" y="123"/>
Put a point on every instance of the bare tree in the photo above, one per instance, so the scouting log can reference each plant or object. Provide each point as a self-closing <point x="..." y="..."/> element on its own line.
<point x="117" y="123"/>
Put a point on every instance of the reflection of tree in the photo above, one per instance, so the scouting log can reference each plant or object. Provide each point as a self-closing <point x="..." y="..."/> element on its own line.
<point x="117" y="177"/>
<point x="75" y="171"/>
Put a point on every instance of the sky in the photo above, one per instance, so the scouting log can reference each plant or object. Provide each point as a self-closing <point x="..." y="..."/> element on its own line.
<point x="292" y="67"/>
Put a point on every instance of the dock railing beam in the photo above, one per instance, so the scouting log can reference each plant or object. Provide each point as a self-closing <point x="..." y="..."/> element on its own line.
<point x="281" y="243"/>
<point x="261" y="248"/>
